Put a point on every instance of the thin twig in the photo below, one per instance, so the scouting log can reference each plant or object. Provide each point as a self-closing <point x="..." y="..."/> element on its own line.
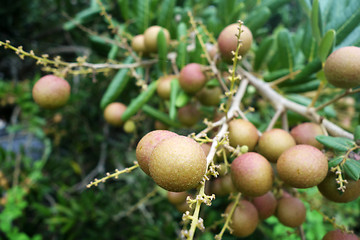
<point x="346" y="93"/>
<point x="276" y="116"/>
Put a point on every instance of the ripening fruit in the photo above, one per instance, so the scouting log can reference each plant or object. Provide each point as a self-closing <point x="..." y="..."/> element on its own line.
<point x="177" y="164"/>
<point x="274" y="142"/>
<point x="209" y="96"/>
<point x="227" y="41"/>
<point x="189" y="115"/>
<point x="192" y="79"/>
<point x="265" y="205"/>
<point x="291" y="211"/>
<point x="206" y="147"/>
<point x="242" y="132"/>
<point x="244" y="219"/>
<point x="176" y="198"/>
<point x="129" y="126"/>
<point x="338" y="235"/>
<point x="113" y="113"/>
<point x="138" y="43"/>
<point x="150" y="37"/>
<point x="183" y="207"/>
<point x="305" y="133"/>
<point x="252" y="174"/>
<point x="302" y="166"/>
<point x="51" y="92"/>
<point x="160" y="125"/>
<point x="147" y="145"/>
<point x="342" y="67"/>
<point x="164" y="86"/>
<point x="328" y="188"/>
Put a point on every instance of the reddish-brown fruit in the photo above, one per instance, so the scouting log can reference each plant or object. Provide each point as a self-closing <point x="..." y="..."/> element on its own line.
<point x="188" y="115"/>
<point x="342" y="67"/>
<point x="217" y="188"/>
<point x="176" y="198"/>
<point x="243" y="132"/>
<point x="147" y="144"/>
<point x="265" y="204"/>
<point x="338" y="235"/>
<point x="302" y="166"/>
<point x="227" y="41"/>
<point x="274" y="142"/>
<point x="328" y="188"/>
<point x="227" y="184"/>
<point x="252" y="174"/>
<point x="113" y="113"/>
<point x="177" y="164"/>
<point x="244" y="219"/>
<point x="164" y="86"/>
<point x="150" y="37"/>
<point x="192" y="79"/>
<point x="305" y="133"/>
<point x="291" y="211"/>
<point x="138" y="43"/>
<point x="51" y="92"/>
<point x="209" y="96"/>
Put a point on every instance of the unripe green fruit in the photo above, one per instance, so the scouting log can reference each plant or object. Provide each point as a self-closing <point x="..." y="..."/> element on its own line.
<point x="191" y="78"/>
<point x="342" y="67"/>
<point x="252" y="174"/>
<point x="274" y="142"/>
<point x="113" y="113"/>
<point x="291" y="211"/>
<point x="188" y="115"/>
<point x="129" y="126"/>
<point x="177" y="164"/>
<point x="302" y="166"/>
<point x="164" y="86"/>
<point x="242" y="132"/>
<point x="147" y="145"/>
<point x="209" y="96"/>
<point x="305" y="133"/>
<point x="338" y="235"/>
<point x="150" y="37"/>
<point x="227" y="41"/>
<point x="176" y="198"/>
<point x="138" y="43"/>
<point x="266" y="205"/>
<point x="328" y="188"/>
<point x="51" y="92"/>
<point x="244" y="219"/>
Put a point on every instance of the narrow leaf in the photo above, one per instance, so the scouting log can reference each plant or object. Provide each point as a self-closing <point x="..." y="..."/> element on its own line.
<point x="262" y="52"/>
<point x="286" y="49"/>
<point x="335" y="161"/>
<point x="166" y="12"/>
<point x="174" y="90"/>
<point x="143" y="15"/>
<point x="162" y="51"/>
<point x="336" y="143"/>
<point x="257" y="18"/>
<point x="182" y="99"/>
<point x="181" y="50"/>
<point x="158" y="115"/>
<point x="326" y="45"/>
<point x="357" y="133"/>
<point x="351" y="170"/>
<point x="315" y="16"/>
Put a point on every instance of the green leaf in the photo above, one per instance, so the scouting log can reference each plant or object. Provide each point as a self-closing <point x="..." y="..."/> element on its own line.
<point x="354" y="162"/>
<point x="305" y="87"/>
<point x="257" y="18"/>
<point x="181" y="50"/>
<point x="357" y="133"/>
<point x="326" y="45"/>
<point x="286" y="49"/>
<point x="124" y="8"/>
<point x="262" y="52"/>
<point x="175" y="86"/>
<point x="182" y="99"/>
<point x="335" y="161"/>
<point x="117" y="85"/>
<point x="306" y="72"/>
<point x="351" y="170"/>
<point x="309" y="45"/>
<point x="139" y="101"/>
<point x="274" y="5"/>
<point x="212" y="83"/>
<point x="162" y="51"/>
<point x="158" y="115"/>
<point x="143" y="15"/>
<point x="81" y="18"/>
<point x="337" y="143"/>
<point x="315" y="18"/>
<point x="166" y="12"/>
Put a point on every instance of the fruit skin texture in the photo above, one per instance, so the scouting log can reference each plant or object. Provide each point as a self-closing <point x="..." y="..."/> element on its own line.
<point x="242" y="132"/>
<point x="191" y="78"/>
<point x="51" y="92"/>
<point x="150" y="37"/>
<point x="291" y="211"/>
<point x="338" y="235"/>
<point x="188" y="115"/>
<point x="274" y="142"/>
<point x="328" y="188"/>
<point x="113" y="113"/>
<point x="302" y="166"/>
<point x="265" y="205"/>
<point x="138" y="43"/>
<point x="342" y="67"/>
<point x="176" y="198"/>
<point x="177" y="164"/>
<point x="244" y="219"/>
<point x="305" y="133"/>
<point x="209" y="96"/>
<point x="164" y="86"/>
<point x="252" y="174"/>
<point x="147" y="144"/>
<point x="227" y="41"/>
